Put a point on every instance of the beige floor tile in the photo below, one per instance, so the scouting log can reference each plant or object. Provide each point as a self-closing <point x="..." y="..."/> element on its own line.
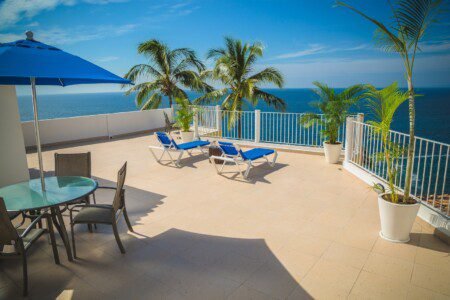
<point x="300" y="294"/>
<point x="297" y="263"/>
<point x="432" y="278"/>
<point x="394" y="268"/>
<point x="418" y="293"/>
<point x="309" y="245"/>
<point x="246" y="293"/>
<point x="283" y="233"/>
<point x="432" y="252"/>
<point x="235" y="266"/>
<point x="329" y="279"/>
<point x="373" y="286"/>
<point x="356" y="236"/>
<point x="406" y="251"/>
<point x="273" y="279"/>
<point x="346" y="255"/>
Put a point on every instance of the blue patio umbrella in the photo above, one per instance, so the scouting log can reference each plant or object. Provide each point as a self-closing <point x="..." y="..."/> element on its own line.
<point x="29" y="62"/>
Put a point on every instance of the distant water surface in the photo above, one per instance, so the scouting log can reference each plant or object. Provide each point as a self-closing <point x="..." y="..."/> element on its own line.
<point x="432" y="108"/>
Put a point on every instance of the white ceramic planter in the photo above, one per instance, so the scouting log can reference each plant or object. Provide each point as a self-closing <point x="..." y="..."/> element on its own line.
<point x="187" y="136"/>
<point x="396" y="219"/>
<point x="332" y="152"/>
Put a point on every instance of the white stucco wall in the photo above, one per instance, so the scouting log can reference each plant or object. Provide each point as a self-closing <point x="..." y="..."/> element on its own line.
<point x="13" y="159"/>
<point x="87" y="127"/>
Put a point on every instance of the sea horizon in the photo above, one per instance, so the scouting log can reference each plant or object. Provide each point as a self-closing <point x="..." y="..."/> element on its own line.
<point x="431" y="109"/>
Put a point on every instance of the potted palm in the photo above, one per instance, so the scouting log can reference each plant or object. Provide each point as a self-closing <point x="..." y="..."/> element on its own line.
<point x="183" y="119"/>
<point x="397" y="213"/>
<point x="334" y="107"/>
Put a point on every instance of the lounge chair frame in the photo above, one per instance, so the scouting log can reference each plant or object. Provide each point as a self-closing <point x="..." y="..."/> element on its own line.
<point x="172" y="147"/>
<point x="239" y="160"/>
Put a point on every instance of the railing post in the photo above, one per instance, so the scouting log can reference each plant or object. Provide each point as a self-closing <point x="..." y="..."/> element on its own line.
<point x="257" y="125"/>
<point x="196" y="134"/>
<point x="359" y="135"/>
<point x="219" y="121"/>
<point x="349" y="139"/>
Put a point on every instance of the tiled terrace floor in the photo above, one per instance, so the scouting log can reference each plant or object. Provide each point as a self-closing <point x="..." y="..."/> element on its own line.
<point x="305" y="229"/>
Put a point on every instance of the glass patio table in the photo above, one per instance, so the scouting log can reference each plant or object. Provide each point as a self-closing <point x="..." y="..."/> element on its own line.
<point x="60" y="190"/>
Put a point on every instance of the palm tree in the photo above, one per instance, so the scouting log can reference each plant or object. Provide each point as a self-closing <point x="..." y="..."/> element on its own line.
<point x="335" y="108"/>
<point x="410" y="20"/>
<point x="169" y="71"/>
<point x="383" y="104"/>
<point x="233" y="68"/>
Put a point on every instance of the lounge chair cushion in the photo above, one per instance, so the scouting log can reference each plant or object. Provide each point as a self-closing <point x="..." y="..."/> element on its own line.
<point x="192" y="145"/>
<point x="228" y="148"/>
<point x="256" y="153"/>
<point x="163" y="138"/>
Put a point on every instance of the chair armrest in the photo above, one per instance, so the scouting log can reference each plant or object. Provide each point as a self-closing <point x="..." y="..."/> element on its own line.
<point x="107" y="187"/>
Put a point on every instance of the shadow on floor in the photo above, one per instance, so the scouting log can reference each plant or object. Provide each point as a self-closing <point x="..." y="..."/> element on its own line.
<point x="175" y="264"/>
<point x="43" y="284"/>
<point x="257" y="173"/>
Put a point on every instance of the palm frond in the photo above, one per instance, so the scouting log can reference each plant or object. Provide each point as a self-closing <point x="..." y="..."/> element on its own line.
<point x="399" y="44"/>
<point x="140" y="71"/>
<point x="153" y="102"/>
<point x="269" y="75"/>
<point x="211" y="97"/>
<point x="270" y="99"/>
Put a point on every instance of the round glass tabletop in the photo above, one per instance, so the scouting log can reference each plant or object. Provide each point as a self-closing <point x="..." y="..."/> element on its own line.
<point x="28" y="195"/>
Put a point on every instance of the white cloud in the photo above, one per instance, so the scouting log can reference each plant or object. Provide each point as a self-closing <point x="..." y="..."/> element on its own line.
<point x="107" y="58"/>
<point x="12" y="11"/>
<point x="312" y="49"/>
<point x="433" y="47"/>
<point x="33" y="24"/>
<point x="319" y="49"/>
<point x="10" y="37"/>
<point x="341" y="72"/>
<point x="59" y="36"/>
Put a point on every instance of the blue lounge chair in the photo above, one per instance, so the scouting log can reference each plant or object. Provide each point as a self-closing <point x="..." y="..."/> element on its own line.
<point x="232" y="153"/>
<point x="169" y="145"/>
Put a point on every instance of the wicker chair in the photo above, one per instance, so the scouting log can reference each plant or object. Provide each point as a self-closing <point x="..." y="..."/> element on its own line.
<point x="22" y="239"/>
<point x="103" y="213"/>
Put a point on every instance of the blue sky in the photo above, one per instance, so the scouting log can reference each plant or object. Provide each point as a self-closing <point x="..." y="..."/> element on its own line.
<point x="307" y="40"/>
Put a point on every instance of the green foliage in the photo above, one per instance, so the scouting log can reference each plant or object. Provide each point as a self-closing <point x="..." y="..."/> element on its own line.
<point x="234" y="68"/>
<point x="184" y="115"/>
<point x="409" y="22"/>
<point x="335" y="108"/>
<point x="169" y="71"/>
<point x="383" y="104"/>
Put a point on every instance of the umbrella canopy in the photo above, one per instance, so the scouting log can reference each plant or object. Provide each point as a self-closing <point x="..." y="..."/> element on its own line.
<point x="24" y="59"/>
<point x="29" y="62"/>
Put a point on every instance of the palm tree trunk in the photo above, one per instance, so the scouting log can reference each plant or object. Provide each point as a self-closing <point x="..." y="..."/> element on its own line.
<point x="170" y="101"/>
<point x="412" y="117"/>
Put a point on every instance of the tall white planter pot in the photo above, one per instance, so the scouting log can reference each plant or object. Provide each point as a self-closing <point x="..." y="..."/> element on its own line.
<point x="187" y="136"/>
<point x="332" y="152"/>
<point x="396" y="219"/>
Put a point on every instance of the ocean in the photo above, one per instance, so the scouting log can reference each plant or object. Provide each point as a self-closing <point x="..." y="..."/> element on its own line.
<point x="432" y="108"/>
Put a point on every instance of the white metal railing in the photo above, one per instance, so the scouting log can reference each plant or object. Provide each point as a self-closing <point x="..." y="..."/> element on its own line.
<point x="430" y="182"/>
<point x="266" y="127"/>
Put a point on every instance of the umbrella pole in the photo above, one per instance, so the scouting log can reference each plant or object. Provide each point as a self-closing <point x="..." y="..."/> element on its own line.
<point x="36" y="132"/>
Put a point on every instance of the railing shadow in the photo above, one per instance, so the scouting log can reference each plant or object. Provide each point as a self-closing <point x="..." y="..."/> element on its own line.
<point x="429" y="241"/>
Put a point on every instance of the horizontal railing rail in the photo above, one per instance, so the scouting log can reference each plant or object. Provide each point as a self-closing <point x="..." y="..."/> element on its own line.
<point x="430" y="180"/>
<point x="265" y="127"/>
